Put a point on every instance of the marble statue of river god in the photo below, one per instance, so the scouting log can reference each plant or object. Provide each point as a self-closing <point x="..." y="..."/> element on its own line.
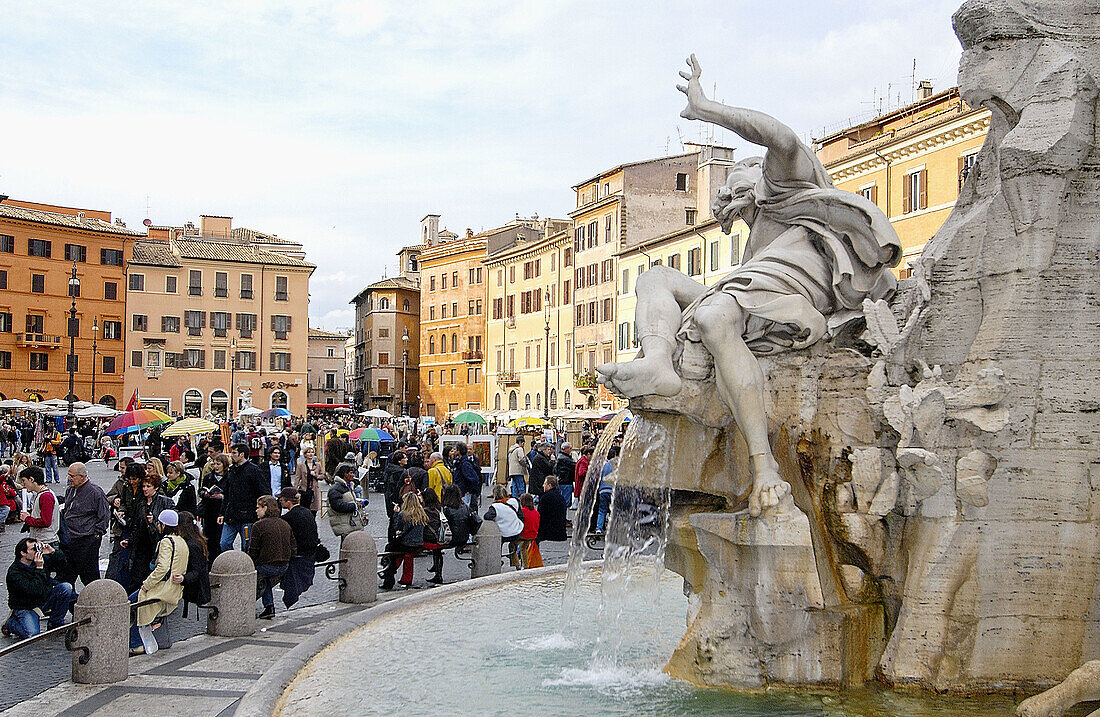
<point x="894" y="483"/>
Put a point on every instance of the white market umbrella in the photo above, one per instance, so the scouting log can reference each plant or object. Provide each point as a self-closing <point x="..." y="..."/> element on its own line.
<point x="97" y="411"/>
<point x="11" y="404"/>
<point x="250" y="411"/>
<point x="377" y="413"/>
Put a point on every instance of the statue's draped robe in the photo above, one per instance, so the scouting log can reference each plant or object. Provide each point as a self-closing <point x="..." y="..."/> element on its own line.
<point x="813" y="277"/>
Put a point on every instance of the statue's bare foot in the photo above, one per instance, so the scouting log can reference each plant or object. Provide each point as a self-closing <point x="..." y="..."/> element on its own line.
<point x="645" y="376"/>
<point x="768" y="492"/>
<point x="1082" y="685"/>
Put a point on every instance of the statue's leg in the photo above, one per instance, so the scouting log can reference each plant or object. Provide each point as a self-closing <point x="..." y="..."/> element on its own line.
<point x="662" y="293"/>
<point x="740" y="383"/>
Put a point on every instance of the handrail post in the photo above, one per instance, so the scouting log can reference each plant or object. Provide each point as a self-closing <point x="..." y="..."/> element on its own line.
<point x="101" y="647"/>
<point x="234" y="600"/>
<point x="359" y="574"/>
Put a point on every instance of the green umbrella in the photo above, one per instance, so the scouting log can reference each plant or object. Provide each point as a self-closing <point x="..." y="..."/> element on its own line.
<point x="470" y="417"/>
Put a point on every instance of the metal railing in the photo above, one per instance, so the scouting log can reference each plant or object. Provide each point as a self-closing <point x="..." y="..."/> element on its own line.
<point x="71" y="633"/>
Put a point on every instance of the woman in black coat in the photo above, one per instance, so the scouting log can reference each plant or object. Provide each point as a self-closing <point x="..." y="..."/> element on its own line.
<point x="196" y="581"/>
<point x="552" y="507"/>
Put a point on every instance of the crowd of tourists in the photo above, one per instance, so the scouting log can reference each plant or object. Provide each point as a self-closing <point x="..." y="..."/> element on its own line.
<point x="175" y="508"/>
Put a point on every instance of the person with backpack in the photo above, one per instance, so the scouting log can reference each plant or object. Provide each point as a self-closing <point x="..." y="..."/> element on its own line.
<point x="255" y="446"/>
<point x="468" y="477"/>
<point x="343" y="511"/>
<point x="507" y="514"/>
<point x="518" y="467"/>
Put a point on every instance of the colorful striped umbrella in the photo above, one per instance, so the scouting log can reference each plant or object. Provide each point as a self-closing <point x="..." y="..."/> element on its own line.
<point x="275" y="413"/>
<point x="189" y="427"/>
<point x="369" y="434"/>
<point x="140" y="420"/>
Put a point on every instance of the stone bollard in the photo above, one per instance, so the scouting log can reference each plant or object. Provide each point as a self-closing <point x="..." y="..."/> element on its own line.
<point x="234" y="598"/>
<point x="486" y="552"/>
<point x="359" y="575"/>
<point x="107" y="638"/>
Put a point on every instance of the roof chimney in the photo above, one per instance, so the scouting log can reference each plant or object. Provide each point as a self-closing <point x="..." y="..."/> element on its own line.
<point x="924" y="89"/>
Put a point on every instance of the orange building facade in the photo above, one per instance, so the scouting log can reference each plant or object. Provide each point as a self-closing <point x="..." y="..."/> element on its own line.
<point x="453" y="306"/>
<point x="39" y="246"/>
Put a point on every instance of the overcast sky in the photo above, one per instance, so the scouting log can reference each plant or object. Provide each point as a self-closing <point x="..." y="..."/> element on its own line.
<point x="341" y="124"/>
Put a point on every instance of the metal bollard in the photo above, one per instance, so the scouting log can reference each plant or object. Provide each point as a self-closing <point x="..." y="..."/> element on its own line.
<point x="101" y="648"/>
<point x="486" y="552"/>
<point x="359" y="575"/>
<point x="234" y="599"/>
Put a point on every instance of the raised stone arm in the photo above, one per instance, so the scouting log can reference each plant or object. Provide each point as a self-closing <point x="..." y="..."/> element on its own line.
<point x="785" y="158"/>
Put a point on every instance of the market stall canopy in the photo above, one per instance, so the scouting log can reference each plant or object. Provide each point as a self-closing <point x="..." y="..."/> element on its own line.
<point x="377" y="413"/>
<point x="190" y="427"/>
<point x="472" y="417"/>
<point x="250" y="411"/>
<point x="97" y="411"/>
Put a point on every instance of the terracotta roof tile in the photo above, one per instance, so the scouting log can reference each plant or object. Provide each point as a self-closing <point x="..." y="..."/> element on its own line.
<point x="63" y="220"/>
<point x="226" y="251"/>
<point x="152" y="252"/>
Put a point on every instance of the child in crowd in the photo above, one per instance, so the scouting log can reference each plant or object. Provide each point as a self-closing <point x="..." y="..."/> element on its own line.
<point x="529" y="554"/>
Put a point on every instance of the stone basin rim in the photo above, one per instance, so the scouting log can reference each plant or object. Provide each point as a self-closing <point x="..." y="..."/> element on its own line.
<point x="265" y="697"/>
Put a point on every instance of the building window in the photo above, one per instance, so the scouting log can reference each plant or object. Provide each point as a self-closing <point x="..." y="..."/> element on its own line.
<point x="76" y="252"/>
<point x="674" y="261"/>
<point x="195" y="321"/>
<point x="194" y="283"/>
<point x="246" y="286"/>
<point x="735" y="248"/>
<point x="39" y="247"/>
<point x="74" y="290"/>
<point x="915" y="194"/>
<point x="112" y="329"/>
<point x="695" y="261"/>
<point x="221" y="284"/>
<point x="110" y="291"/>
<point x="40" y="362"/>
<point x="689" y="217"/>
<point x="169" y="285"/>
<point x="330" y="380"/>
<point x="431" y="284"/>
<point x="384" y="359"/>
<point x="331" y="352"/>
<point x="220" y="323"/>
<point x="626" y="282"/>
<point x="194" y="358"/>
<point x="714" y="255"/>
<point x="246" y="324"/>
<point x="405" y="305"/>
<point x="141" y="322"/>
<point x="110" y="257"/>
<point x="966" y="163"/>
<point x="7" y="243"/>
<point x="170" y="324"/>
<point x="430" y="375"/>
<point x="280" y="324"/>
<point x="108" y="364"/>
<point x="36" y="324"/>
<point x="246" y="361"/>
<point x="5" y="322"/>
<point x="431" y="345"/>
<point x="135" y="359"/>
<point x="219" y="358"/>
<point x="681" y="181"/>
<point x="280" y="361"/>
<point x="38" y="283"/>
<point x="281" y="289"/>
<point x="870" y="193"/>
<point x="137" y="282"/>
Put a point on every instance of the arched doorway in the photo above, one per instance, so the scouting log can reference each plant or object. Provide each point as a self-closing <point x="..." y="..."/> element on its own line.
<point x="513" y="401"/>
<point x="219" y="403"/>
<point x="192" y="402"/>
<point x="34" y="397"/>
<point x="108" y="401"/>
<point x="279" y="399"/>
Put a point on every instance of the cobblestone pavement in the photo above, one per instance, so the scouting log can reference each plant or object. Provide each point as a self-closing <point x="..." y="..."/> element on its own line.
<point x="47" y="664"/>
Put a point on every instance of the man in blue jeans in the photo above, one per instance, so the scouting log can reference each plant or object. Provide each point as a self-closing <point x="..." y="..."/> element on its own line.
<point x="31" y="589"/>
<point x="271" y="547"/>
<point x="51" y="443"/>
<point x="242" y="486"/>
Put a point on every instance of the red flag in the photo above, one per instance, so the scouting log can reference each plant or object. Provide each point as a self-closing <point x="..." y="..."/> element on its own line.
<point x="135" y="402"/>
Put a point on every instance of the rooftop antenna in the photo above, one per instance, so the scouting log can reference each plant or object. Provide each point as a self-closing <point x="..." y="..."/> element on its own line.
<point x="680" y="135"/>
<point x="913" y="82"/>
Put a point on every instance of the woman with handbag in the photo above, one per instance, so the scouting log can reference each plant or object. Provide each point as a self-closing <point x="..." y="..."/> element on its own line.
<point x="307" y="477"/>
<point x="163" y="584"/>
<point x="145" y="533"/>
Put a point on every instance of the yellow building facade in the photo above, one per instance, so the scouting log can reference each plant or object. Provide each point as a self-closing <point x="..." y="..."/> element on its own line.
<point x="530" y="324"/>
<point x="911" y="163"/>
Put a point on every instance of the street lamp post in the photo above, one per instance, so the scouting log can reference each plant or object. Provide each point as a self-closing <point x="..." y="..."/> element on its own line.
<point x="95" y="335"/>
<point x="232" y="380"/>
<point x="74" y="288"/>
<point x="546" y="363"/>
<point x="404" y="367"/>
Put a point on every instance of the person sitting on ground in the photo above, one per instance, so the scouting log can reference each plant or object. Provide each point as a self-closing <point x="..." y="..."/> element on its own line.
<point x="505" y="512"/>
<point x="343" y="510"/>
<point x="529" y="554"/>
<point x="552" y="513"/>
<point x="31" y="589"/>
<point x="406" y="538"/>
<point x="196" y="581"/>
<point x="271" y="546"/>
<point x="164" y="584"/>
<point x="299" y="572"/>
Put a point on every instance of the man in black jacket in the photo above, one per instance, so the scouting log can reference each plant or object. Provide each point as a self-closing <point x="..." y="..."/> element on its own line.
<point x="242" y="486"/>
<point x="30" y="587"/>
<point x="541" y="466"/>
<point x="299" y="573"/>
<point x="394" y="479"/>
<point x="564" y="469"/>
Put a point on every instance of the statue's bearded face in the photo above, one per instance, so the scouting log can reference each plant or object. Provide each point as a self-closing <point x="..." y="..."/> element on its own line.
<point x="736" y="195"/>
<point x="989" y="74"/>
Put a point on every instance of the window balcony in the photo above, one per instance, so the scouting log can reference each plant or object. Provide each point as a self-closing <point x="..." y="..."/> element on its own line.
<point x="507" y="378"/>
<point x="36" y="341"/>
<point x="472" y="356"/>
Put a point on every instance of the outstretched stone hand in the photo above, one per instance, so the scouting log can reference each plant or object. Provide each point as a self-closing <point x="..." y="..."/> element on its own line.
<point x="693" y="89"/>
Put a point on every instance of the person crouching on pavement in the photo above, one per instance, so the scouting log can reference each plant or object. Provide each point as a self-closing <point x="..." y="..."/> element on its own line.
<point x="271" y="547"/>
<point x="164" y="584"/>
<point x="32" y="593"/>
